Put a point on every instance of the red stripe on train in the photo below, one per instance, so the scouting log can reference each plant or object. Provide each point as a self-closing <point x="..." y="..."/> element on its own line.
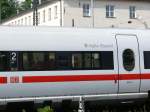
<point x="73" y="78"/>
<point x="3" y="80"/>
<point x="70" y="78"/>
<point x="145" y="76"/>
<point x="129" y="77"/>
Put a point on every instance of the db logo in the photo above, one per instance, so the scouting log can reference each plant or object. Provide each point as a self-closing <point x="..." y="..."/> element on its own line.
<point x="14" y="79"/>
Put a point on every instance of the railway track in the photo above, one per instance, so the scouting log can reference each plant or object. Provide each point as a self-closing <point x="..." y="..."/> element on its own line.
<point x="135" y="107"/>
<point x="67" y="107"/>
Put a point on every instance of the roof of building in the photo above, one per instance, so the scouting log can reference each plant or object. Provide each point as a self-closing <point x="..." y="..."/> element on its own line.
<point x="45" y="3"/>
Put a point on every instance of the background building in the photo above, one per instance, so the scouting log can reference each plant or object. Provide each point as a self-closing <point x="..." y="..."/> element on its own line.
<point x="88" y="13"/>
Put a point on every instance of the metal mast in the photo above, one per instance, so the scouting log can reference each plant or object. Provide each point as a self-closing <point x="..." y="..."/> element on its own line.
<point x="35" y="13"/>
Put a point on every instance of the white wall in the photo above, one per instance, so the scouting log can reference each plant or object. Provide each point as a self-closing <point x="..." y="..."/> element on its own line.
<point x="55" y="21"/>
<point x="73" y="10"/>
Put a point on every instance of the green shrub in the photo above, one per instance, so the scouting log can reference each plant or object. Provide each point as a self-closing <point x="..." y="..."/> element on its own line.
<point x="45" y="109"/>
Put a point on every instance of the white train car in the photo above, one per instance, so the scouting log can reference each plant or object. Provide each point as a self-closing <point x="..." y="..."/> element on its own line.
<point x="41" y="63"/>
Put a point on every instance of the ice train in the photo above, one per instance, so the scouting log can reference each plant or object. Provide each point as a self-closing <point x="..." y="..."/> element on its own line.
<point x="41" y="63"/>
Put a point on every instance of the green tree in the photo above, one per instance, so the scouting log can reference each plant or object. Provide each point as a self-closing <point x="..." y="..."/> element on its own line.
<point x="8" y="8"/>
<point x="25" y="5"/>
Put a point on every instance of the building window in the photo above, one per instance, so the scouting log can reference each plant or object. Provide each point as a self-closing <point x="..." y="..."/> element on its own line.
<point x="128" y="60"/>
<point x="43" y="15"/>
<point x="86" y="10"/>
<point x="21" y="21"/>
<point x="49" y="14"/>
<point x="55" y="11"/>
<point x="29" y="20"/>
<point x="25" y="20"/>
<point x="109" y="11"/>
<point x="18" y="22"/>
<point x="38" y="17"/>
<point x="132" y="12"/>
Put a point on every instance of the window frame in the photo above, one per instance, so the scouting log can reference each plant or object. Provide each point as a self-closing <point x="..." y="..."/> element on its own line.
<point x="86" y="10"/>
<point x="44" y="17"/>
<point x="50" y="14"/>
<point x="110" y="11"/>
<point x="39" y="18"/>
<point x="131" y="66"/>
<point x="55" y="12"/>
<point x="132" y="12"/>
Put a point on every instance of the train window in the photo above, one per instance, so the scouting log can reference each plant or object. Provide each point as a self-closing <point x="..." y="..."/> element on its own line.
<point x="38" y="61"/>
<point x="107" y="61"/>
<point x="34" y="61"/>
<point x="87" y="60"/>
<point x="66" y="60"/>
<point x="95" y="60"/>
<point x="128" y="60"/>
<point x="3" y="61"/>
<point x="50" y="63"/>
<point x="9" y="61"/>
<point x="63" y="60"/>
<point x="13" y="60"/>
<point x="76" y="60"/>
<point x="59" y="60"/>
<point x="147" y="59"/>
<point x="92" y="60"/>
<point x="26" y="61"/>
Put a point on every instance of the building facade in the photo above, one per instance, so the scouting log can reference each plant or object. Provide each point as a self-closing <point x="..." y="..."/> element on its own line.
<point x="88" y="13"/>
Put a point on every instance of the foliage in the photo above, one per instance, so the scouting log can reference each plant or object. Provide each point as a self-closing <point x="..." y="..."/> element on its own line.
<point x="25" y="5"/>
<point x="8" y="8"/>
<point x="45" y="109"/>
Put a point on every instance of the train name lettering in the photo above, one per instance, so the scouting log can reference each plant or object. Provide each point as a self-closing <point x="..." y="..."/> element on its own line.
<point x="97" y="45"/>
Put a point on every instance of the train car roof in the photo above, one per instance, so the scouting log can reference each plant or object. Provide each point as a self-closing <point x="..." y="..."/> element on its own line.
<point x="25" y="38"/>
<point x="61" y="29"/>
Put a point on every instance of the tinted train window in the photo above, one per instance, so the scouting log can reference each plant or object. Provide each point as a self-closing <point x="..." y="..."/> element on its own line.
<point x="34" y="61"/>
<point x="87" y="60"/>
<point x="147" y="59"/>
<point x="4" y="61"/>
<point x="59" y="60"/>
<point x="77" y="60"/>
<point x="107" y="61"/>
<point x="9" y="61"/>
<point x="92" y="60"/>
<point x="13" y="60"/>
<point x="63" y="60"/>
<point x="38" y="61"/>
<point x="51" y="61"/>
<point x="128" y="60"/>
<point x="95" y="60"/>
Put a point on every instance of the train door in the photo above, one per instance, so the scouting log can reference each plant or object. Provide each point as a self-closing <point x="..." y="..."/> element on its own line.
<point x="128" y="60"/>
